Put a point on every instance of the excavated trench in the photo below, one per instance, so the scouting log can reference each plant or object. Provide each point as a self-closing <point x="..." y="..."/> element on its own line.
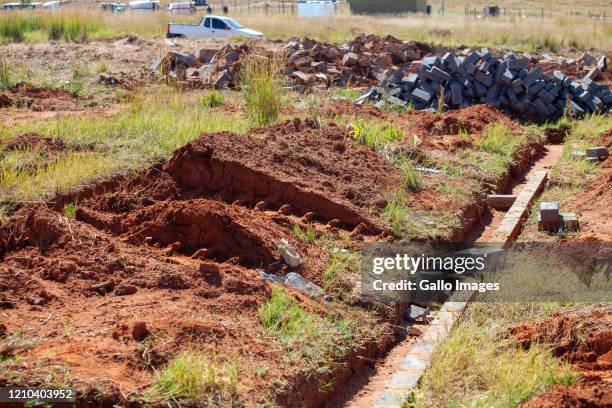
<point x="369" y="385"/>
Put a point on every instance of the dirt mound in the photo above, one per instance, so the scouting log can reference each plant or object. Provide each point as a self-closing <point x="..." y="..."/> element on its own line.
<point x="584" y="338"/>
<point x="312" y="170"/>
<point x="32" y="141"/>
<point x="38" y="99"/>
<point x="581" y="395"/>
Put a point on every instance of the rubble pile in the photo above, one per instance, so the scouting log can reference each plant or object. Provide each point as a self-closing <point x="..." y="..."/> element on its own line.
<point x="507" y="81"/>
<point x="359" y="62"/>
<point x="363" y="61"/>
<point x="211" y="69"/>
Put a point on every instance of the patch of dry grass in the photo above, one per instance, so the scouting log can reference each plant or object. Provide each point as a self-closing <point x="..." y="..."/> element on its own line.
<point x="528" y="34"/>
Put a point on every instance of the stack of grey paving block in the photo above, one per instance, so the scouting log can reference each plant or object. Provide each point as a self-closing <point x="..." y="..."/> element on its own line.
<point x="551" y="220"/>
<point x="506" y="81"/>
<point x="591" y="154"/>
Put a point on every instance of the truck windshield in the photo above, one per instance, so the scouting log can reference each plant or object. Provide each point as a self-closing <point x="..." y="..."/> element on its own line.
<point x="232" y="23"/>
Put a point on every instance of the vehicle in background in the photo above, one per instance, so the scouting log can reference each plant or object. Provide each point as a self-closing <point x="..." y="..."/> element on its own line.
<point x="201" y="3"/>
<point x="51" y="5"/>
<point x="113" y="7"/>
<point x="144" y="5"/>
<point x="14" y="6"/>
<point x="209" y="27"/>
<point x="185" y="7"/>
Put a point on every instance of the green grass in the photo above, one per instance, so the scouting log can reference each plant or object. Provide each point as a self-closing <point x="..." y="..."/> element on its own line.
<point x="149" y="128"/>
<point x="211" y="99"/>
<point x="192" y="376"/>
<point x="421" y="225"/>
<point x="375" y="135"/>
<point x="6" y="74"/>
<point x="476" y="366"/>
<point x="70" y="210"/>
<point x="315" y="343"/>
<point x="341" y="266"/>
<point x="499" y="144"/>
<point x="307" y="235"/>
<point x="261" y="80"/>
<point x="102" y="66"/>
<point x="23" y="26"/>
<point x="411" y="180"/>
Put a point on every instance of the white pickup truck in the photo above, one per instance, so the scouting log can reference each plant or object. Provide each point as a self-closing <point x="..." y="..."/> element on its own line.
<point x="211" y="26"/>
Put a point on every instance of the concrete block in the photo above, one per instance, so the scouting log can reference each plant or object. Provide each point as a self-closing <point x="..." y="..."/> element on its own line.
<point x="422" y="95"/>
<point x="500" y="202"/>
<point x="545" y="96"/>
<point x="598" y="152"/>
<point x="456" y="95"/>
<point x="441" y="75"/>
<point x="535" y="87"/>
<point x="481" y="90"/>
<point x="575" y="109"/>
<point x="507" y="77"/>
<point x="397" y="101"/>
<point x="531" y="78"/>
<point x="549" y="211"/>
<point x="569" y="222"/>
<point x="602" y="64"/>
<point x="512" y="96"/>
<point x="541" y="108"/>
<point x="493" y="92"/>
<point x="518" y="63"/>
<point x="549" y="226"/>
<point x="483" y="78"/>
<point x="472" y="58"/>
<point x="593" y="74"/>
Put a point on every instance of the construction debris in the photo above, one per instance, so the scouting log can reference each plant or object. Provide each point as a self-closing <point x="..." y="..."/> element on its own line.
<point x="363" y="61"/>
<point x="359" y="62"/>
<point x="473" y="77"/>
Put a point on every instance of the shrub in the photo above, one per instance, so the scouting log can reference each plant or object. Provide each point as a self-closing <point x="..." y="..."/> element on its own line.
<point x="261" y="84"/>
<point x="211" y="99"/>
<point x="6" y="75"/>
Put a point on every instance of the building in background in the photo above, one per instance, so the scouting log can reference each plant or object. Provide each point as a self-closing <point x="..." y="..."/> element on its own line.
<point x="387" y="6"/>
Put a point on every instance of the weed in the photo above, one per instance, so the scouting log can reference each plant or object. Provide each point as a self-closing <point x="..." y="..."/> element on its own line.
<point x="307" y="235"/>
<point x="424" y="225"/>
<point x="339" y="266"/>
<point x="102" y="66"/>
<point x="375" y="135"/>
<point x="261" y="85"/>
<point x="411" y="179"/>
<point x="190" y="375"/>
<point x="498" y="139"/>
<point x="211" y="99"/>
<point x="6" y="74"/>
<point x="120" y="95"/>
<point x="70" y="210"/>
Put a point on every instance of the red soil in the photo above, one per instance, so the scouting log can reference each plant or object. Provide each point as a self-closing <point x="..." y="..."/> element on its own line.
<point x="158" y="257"/>
<point x="585" y="340"/>
<point x="38" y="99"/>
<point x="437" y="131"/>
<point x="593" y="206"/>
